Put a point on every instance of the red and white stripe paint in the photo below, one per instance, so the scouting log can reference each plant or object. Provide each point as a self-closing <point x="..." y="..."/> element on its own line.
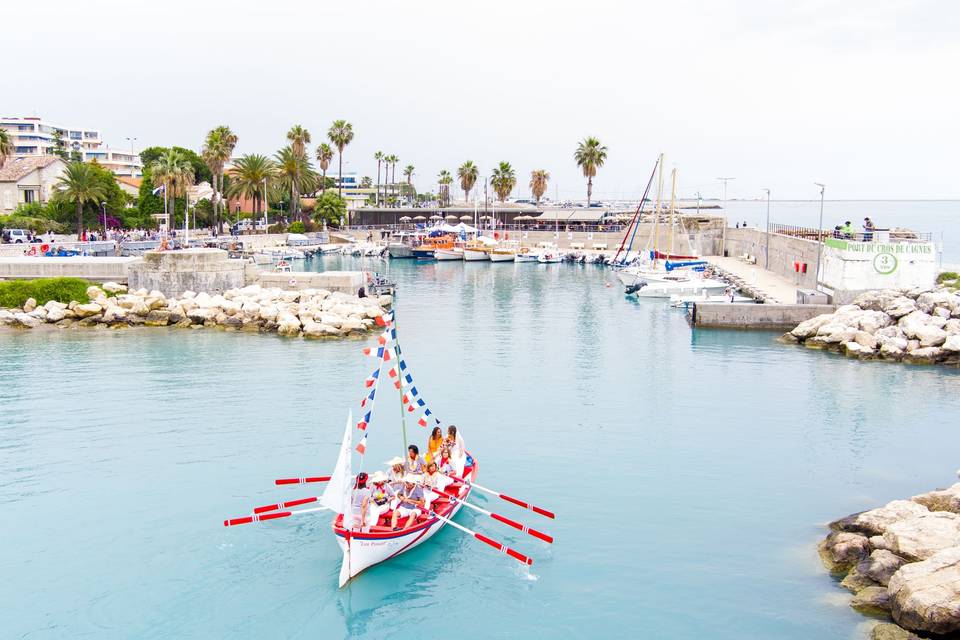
<point x="302" y="480"/>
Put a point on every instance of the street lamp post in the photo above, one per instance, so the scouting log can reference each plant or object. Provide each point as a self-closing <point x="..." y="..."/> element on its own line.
<point x="103" y="207"/>
<point x="766" y="248"/>
<point x="723" y="236"/>
<point x="816" y="274"/>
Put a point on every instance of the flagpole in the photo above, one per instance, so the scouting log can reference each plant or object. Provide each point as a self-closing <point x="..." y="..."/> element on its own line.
<point x="403" y="416"/>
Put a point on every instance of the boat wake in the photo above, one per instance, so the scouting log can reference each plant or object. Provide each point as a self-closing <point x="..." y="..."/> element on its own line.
<point x="523" y="572"/>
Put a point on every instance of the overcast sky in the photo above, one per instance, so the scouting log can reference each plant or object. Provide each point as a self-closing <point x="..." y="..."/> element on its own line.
<point x="863" y="95"/>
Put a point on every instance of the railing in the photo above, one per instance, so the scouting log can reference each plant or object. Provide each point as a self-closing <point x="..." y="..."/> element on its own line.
<point x="877" y="235"/>
<point x="545" y="228"/>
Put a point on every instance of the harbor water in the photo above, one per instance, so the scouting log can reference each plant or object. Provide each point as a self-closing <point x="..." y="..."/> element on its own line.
<point x="691" y="472"/>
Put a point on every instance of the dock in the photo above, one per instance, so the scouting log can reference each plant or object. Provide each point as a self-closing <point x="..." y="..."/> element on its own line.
<point x="755" y="281"/>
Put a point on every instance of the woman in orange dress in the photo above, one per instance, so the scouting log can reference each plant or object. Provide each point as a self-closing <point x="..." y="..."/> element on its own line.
<point x="433" y="444"/>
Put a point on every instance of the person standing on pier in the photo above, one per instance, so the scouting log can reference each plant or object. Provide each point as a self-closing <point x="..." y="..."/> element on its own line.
<point x="868" y="228"/>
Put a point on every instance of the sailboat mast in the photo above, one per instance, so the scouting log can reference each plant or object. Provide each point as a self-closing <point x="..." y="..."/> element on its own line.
<point x="656" y="212"/>
<point x="673" y="207"/>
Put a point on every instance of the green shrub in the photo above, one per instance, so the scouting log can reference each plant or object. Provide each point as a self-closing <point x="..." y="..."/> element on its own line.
<point x="297" y="227"/>
<point x="37" y="225"/>
<point x="276" y="228"/>
<point x="947" y="276"/>
<point x="14" y="293"/>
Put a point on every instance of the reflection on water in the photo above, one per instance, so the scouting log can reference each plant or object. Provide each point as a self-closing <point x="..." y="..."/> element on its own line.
<point x="691" y="470"/>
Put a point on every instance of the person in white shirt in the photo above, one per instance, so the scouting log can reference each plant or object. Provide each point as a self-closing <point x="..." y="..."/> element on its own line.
<point x="359" y="501"/>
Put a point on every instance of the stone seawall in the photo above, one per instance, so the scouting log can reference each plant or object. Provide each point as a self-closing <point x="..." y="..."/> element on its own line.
<point x="754" y="316"/>
<point x="174" y="272"/>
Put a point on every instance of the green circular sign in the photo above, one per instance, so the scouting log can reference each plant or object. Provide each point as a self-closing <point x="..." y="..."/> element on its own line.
<point x="885" y="263"/>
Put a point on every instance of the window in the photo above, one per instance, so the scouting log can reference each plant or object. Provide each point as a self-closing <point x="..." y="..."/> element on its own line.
<point x="91" y="134"/>
<point x="75" y="135"/>
<point x="29" y="195"/>
<point x="25" y="150"/>
<point x="24" y="127"/>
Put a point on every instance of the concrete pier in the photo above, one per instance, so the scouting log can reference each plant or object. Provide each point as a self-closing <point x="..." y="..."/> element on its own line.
<point x="88" y="268"/>
<point x="342" y="281"/>
<point x="755" y="316"/>
<point x="173" y="272"/>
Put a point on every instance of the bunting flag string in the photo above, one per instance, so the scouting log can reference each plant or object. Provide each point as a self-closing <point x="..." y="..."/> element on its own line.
<point x="362" y="446"/>
<point x="411" y="399"/>
<point x="372" y="378"/>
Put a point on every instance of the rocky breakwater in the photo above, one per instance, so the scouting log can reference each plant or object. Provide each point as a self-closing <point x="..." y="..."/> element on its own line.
<point x="913" y="326"/>
<point x="310" y="313"/>
<point x="902" y="561"/>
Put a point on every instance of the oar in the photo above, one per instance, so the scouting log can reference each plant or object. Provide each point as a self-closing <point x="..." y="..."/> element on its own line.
<point x="269" y="516"/>
<point x="507" y="521"/>
<point x="521" y="503"/>
<point x="285" y="505"/>
<point x="516" y="555"/>
<point x="302" y="480"/>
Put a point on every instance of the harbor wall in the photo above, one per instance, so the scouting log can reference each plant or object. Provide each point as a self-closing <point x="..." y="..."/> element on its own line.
<point x="784" y="251"/>
<point x="754" y="316"/>
<point x="174" y="272"/>
<point x="342" y="281"/>
<point x="88" y="268"/>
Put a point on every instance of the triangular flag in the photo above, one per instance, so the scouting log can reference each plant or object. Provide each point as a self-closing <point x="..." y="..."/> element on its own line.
<point x="403" y="365"/>
<point x="362" y="447"/>
<point x="410" y="408"/>
<point x="406" y="399"/>
<point x="413" y="390"/>
<point x="384" y="320"/>
<point x="392" y="372"/>
<point x="396" y="384"/>
<point x="422" y="421"/>
<point x="420" y="402"/>
<point x="362" y="425"/>
<point x="382" y="340"/>
<point x="373" y="378"/>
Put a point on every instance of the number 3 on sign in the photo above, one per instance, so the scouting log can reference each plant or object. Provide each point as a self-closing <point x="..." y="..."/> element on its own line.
<point x="885" y="263"/>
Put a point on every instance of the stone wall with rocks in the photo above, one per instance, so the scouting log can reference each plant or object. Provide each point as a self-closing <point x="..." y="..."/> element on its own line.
<point x="174" y="272"/>
<point x="309" y="313"/>
<point x="903" y="561"/>
<point x="915" y="326"/>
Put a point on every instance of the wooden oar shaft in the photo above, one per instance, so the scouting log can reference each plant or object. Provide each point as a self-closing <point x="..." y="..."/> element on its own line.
<point x="302" y="480"/>
<point x="519" y="503"/>
<point x="516" y="555"/>
<point x="285" y="505"/>
<point x="499" y="518"/>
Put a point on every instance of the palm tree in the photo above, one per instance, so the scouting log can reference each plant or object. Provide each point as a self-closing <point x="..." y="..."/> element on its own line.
<point x="299" y="139"/>
<point x="408" y="174"/>
<point x="217" y="149"/>
<point x="538" y="183"/>
<point x="249" y="174"/>
<point x="378" y="156"/>
<point x="392" y="160"/>
<point x="445" y="180"/>
<point x="340" y="134"/>
<point x="295" y="172"/>
<point x="324" y="156"/>
<point x="6" y="147"/>
<point x="79" y="184"/>
<point x="590" y="156"/>
<point x="503" y="180"/>
<point x="468" y="173"/>
<point x="174" y="171"/>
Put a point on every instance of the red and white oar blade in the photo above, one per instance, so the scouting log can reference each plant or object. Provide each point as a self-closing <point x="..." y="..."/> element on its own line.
<point x="285" y="505"/>
<point x="256" y="518"/>
<point x="516" y="525"/>
<point x="302" y="480"/>
<point x="503" y="549"/>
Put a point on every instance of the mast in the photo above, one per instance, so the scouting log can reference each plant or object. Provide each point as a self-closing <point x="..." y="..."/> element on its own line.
<point x="673" y="207"/>
<point x="403" y="414"/>
<point x="656" y="212"/>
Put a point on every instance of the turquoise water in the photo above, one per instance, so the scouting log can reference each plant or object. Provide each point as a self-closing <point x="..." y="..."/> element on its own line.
<point x="691" y="471"/>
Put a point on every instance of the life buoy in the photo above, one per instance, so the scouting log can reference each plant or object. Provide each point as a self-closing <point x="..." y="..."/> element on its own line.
<point x="496" y="235"/>
<point x="32" y="251"/>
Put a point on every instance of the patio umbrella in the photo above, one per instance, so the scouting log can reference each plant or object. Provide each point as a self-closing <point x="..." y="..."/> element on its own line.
<point x="486" y="218"/>
<point x="436" y="217"/>
<point x="419" y="218"/>
<point x="452" y="218"/>
<point x="523" y="218"/>
<point x="466" y="218"/>
<point x="405" y="219"/>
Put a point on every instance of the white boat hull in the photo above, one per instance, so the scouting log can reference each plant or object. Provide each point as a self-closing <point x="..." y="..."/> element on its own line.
<point x="526" y="257"/>
<point x="694" y="287"/>
<point x="549" y="259"/>
<point x="448" y="254"/>
<point x="501" y="257"/>
<point x="472" y="255"/>
<point x="400" y="250"/>
<point x="365" y="550"/>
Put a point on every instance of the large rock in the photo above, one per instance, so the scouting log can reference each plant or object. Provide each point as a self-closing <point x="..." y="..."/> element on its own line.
<point x="200" y="315"/>
<point x="29" y="305"/>
<point x="952" y="343"/>
<point x="923" y="355"/>
<point x="113" y="287"/>
<point x="921" y="536"/>
<point x="879" y="566"/>
<point x="941" y="499"/>
<point x="889" y="631"/>
<point x="56" y="314"/>
<point x="931" y="336"/>
<point x="809" y="328"/>
<point x="871" y="600"/>
<point x="913" y="322"/>
<point x="26" y="320"/>
<point x="93" y="291"/>
<point x="925" y="596"/>
<point x="157" y="318"/>
<point x="841" y="550"/>
<point x="87" y="310"/>
<point x="876" y="521"/>
<point x="899" y="307"/>
<point x="926" y="302"/>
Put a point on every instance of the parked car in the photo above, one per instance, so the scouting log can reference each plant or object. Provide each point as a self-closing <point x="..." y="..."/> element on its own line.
<point x="15" y="236"/>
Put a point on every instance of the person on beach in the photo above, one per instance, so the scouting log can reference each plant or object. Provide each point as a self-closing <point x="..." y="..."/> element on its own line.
<point x="414" y="461"/>
<point x="359" y="501"/>
<point x="433" y="444"/>
<point x="411" y="499"/>
<point x="868" y="228"/>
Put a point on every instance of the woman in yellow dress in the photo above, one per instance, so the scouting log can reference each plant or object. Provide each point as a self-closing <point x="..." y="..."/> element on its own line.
<point x="433" y="444"/>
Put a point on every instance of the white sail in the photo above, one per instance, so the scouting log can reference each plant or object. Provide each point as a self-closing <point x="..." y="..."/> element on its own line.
<point x="336" y="496"/>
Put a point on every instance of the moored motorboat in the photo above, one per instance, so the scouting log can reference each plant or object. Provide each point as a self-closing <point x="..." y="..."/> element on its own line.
<point x="694" y="286"/>
<point x="504" y="252"/>
<point x="455" y="253"/>
<point x="526" y="254"/>
<point x="550" y="257"/>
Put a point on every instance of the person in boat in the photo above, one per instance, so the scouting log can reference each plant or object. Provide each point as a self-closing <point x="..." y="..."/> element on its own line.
<point x="444" y="463"/>
<point x="433" y="479"/>
<point x="395" y="475"/>
<point x="458" y="450"/>
<point x="414" y="461"/>
<point x="381" y="494"/>
<point x="433" y="444"/>
<point x="411" y="500"/>
<point x="360" y="502"/>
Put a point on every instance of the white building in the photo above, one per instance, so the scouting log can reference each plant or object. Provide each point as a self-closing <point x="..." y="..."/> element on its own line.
<point x="28" y="179"/>
<point x="33" y="136"/>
